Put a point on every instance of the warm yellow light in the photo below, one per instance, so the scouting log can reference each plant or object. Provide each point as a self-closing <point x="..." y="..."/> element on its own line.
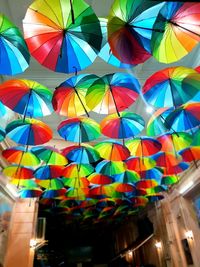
<point x="158" y="245"/>
<point x="33" y="243"/>
<point x="189" y="234"/>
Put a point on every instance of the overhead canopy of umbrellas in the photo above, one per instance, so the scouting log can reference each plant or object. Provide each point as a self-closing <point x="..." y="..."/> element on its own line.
<point x="93" y="179"/>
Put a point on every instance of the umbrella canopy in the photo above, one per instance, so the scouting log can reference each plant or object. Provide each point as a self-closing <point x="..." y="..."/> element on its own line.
<point x="18" y="172"/>
<point x="190" y="154"/>
<point x="154" y="173"/>
<point x="3" y="110"/>
<point x="62" y="35"/>
<point x="83" y="153"/>
<point x="170" y="180"/>
<point x="20" y="155"/>
<point x="176" y="31"/>
<point x="181" y="167"/>
<point x="100" y="179"/>
<point x="76" y="182"/>
<point x="79" y="129"/>
<point x="48" y="171"/>
<point x="74" y="170"/>
<point x="184" y="118"/>
<point x="175" y="141"/>
<point x="29" y="132"/>
<point x="52" y="193"/>
<point x="112" y="93"/>
<point x="143" y="146"/>
<point x="2" y="134"/>
<point x="122" y="125"/>
<point x="140" y="163"/>
<point x="127" y="177"/>
<point x="196" y="138"/>
<point x="26" y="97"/>
<point x="69" y="96"/>
<point x="139" y="201"/>
<point x="50" y="184"/>
<point x="123" y="187"/>
<point x="30" y="193"/>
<point x="14" y="57"/>
<point x="110" y="168"/>
<point x="171" y="87"/>
<point x="166" y="159"/>
<point x="106" y="53"/>
<point x="50" y="155"/>
<point x="112" y="150"/>
<point x="156" y="123"/>
<point x="77" y="193"/>
<point x="130" y="24"/>
<point x="145" y="184"/>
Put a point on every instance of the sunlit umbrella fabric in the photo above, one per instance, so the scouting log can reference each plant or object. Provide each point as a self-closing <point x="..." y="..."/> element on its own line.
<point x="127" y="176"/>
<point x="18" y="172"/>
<point x="57" y="39"/>
<point x="26" y="97"/>
<point x="50" y="184"/>
<point x="181" y="167"/>
<point x="14" y="57"/>
<point x="100" y="179"/>
<point x="74" y="170"/>
<point x="110" y="168"/>
<point x="81" y="182"/>
<point x="166" y="159"/>
<point x="30" y="193"/>
<point x="190" y="154"/>
<point x="176" y="31"/>
<point x="79" y="129"/>
<point x="140" y="163"/>
<point x="48" y="171"/>
<point x="112" y="93"/>
<point x="29" y="132"/>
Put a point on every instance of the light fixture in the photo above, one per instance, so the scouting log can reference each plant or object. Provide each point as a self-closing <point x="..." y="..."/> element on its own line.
<point x="186" y="187"/>
<point x="158" y="245"/>
<point x="33" y="243"/>
<point x="189" y="234"/>
<point x="149" y="109"/>
<point x="130" y="252"/>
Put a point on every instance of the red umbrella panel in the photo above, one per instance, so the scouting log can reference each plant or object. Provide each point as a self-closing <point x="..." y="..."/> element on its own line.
<point x="166" y="160"/>
<point x="139" y="164"/>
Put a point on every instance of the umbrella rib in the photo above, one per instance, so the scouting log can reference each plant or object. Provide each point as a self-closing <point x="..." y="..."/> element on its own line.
<point x="114" y="102"/>
<point x="72" y="12"/>
<point x="81" y="101"/>
<point x="175" y="24"/>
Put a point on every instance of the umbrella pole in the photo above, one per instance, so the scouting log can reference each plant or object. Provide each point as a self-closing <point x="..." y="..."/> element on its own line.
<point x="72" y="12"/>
<point x="81" y="102"/>
<point x="114" y="102"/>
<point x="29" y="96"/>
<point x="168" y="126"/>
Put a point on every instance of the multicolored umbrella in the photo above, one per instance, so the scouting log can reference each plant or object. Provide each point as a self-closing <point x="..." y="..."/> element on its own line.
<point x="156" y="123"/>
<point x="139" y="201"/>
<point x="154" y="173"/>
<point x="18" y="172"/>
<point x="140" y="163"/>
<point x="77" y="193"/>
<point x="184" y="118"/>
<point x="50" y="155"/>
<point x="171" y="87"/>
<point x="176" y="31"/>
<point x="123" y="187"/>
<point x="112" y="150"/>
<point x="106" y="53"/>
<point x="3" y="110"/>
<point x="50" y="183"/>
<point x="181" y="167"/>
<point x="146" y="183"/>
<point x="170" y="180"/>
<point x="20" y="155"/>
<point x="81" y="154"/>
<point x="110" y="168"/>
<point x="166" y="159"/>
<point x="112" y="93"/>
<point x="127" y="177"/>
<point x="51" y="193"/>
<point x="143" y="146"/>
<point x="173" y="142"/>
<point x="196" y="138"/>
<point x="79" y="129"/>
<point x="190" y="154"/>
<point x="30" y="193"/>
<point x="69" y="96"/>
<point x="76" y="182"/>
<point x="122" y="125"/>
<point x="100" y="179"/>
<point x="48" y="171"/>
<point x="29" y="132"/>
<point x="63" y="36"/>
<point x="74" y="170"/>
<point x="2" y="134"/>
<point x="14" y="57"/>
<point x="130" y="26"/>
<point x="26" y="97"/>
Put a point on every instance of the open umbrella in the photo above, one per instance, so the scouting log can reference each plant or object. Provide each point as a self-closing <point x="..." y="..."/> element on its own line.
<point x="3" y="110"/>
<point x="26" y="97"/>
<point x="123" y="187"/>
<point x="176" y="31"/>
<point x="122" y="125"/>
<point x="48" y="171"/>
<point x="74" y="170"/>
<point x="174" y="170"/>
<point x="110" y="168"/>
<point x="53" y="193"/>
<point x="154" y="173"/>
<point x="2" y="134"/>
<point x="18" y="172"/>
<point x="171" y="87"/>
<point x="184" y="118"/>
<point x="112" y="150"/>
<point x="30" y="192"/>
<point x="106" y="53"/>
<point x="170" y="180"/>
<point x="79" y="129"/>
<point x="77" y="182"/>
<point x="51" y="183"/>
<point x="130" y="24"/>
<point x="143" y="146"/>
<point x="14" y="56"/>
<point x="63" y="36"/>
<point x="69" y="96"/>
<point x="190" y="154"/>
<point x="100" y="179"/>
<point x="29" y="132"/>
<point x="166" y="159"/>
<point x="112" y="93"/>
<point x="126" y="177"/>
<point x="140" y="163"/>
<point x="83" y="153"/>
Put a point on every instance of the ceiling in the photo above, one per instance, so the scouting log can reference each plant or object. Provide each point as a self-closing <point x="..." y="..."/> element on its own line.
<point x="16" y="9"/>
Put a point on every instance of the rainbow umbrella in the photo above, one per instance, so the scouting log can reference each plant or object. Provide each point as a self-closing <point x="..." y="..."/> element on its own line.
<point x="26" y="97"/>
<point x="74" y="170"/>
<point x="106" y="212"/>
<point x="50" y="155"/>
<point x="20" y="155"/>
<point x="77" y="193"/>
<point x="14" y="57"/>
<point x="18" y="172"/>
<point x="3" y="110"/>
<point x="106" y="202"/>
<point x="190" y="154"/>
<point x="48" y="171"/>
<point x="107" y="167"/>
<point x="156" y="123"/>
<point x="53" y="193"/>
<point x="176" y="31"/>
<point x="123" y="187"/>
<point x="156" y="190"/>
<point x="81" y="154"/>
<point x="196" y="138"/>
<point x="29" y="132"/>
<point x="130" y="24"/>
<point x="154" y="173"/>
<point x="139" y="201"/>
<point x="79" y="129"/>
<point x="166" y="159"/>
<point x="50" y="184"/>
<point x="146" y="183"/>
<point x="181" y="167"/>
<point x="27" y="183"/>
<point x="171" y="87"/>
<point x="154" y="197"/>
<point x="69" y="96"/>
<point x="100" y="179"/>
<point x="62" y="35"/>
<point x="127" y="177"/>
<point x="184" y="118"/>
<point x="140" y="163"/>
<point x="77" y="182"/>
<point x="30" y="192"/>
<point x="122" y="125"/>
<point x="143" y="146"/>
<point x="170" y="179"/>
<point x="112" y="150"/>
<point x="112" y="93"/>
<point x="2" y="134"/>
<point x="106" y="53"/>
<point x="173" y="142"/>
